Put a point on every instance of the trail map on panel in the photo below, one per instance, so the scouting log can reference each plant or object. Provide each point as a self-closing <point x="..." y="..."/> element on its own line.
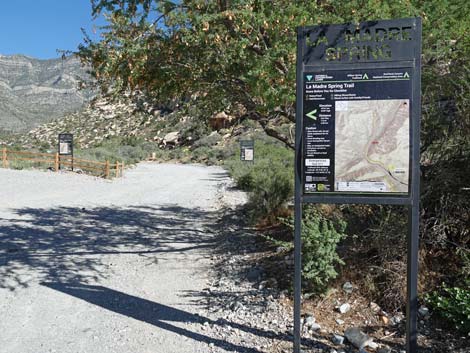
<point x="372" y="145"/>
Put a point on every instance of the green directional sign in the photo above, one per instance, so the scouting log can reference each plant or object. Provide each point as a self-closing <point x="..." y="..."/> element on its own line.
<point x="311" y="115"/>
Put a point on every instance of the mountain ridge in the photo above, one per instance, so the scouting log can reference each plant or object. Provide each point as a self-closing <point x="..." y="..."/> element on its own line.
<point x="35" y="91"/>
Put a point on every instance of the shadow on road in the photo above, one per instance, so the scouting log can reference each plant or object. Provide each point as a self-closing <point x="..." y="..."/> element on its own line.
<point x="66" y="244"/>
<point x="62" y="248"/>
<point x="144" y="310"/>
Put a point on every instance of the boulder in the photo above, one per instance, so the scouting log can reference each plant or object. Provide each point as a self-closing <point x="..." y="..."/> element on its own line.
<point x="315" y="327"/>
<point x="171" y="138"/>
<point x="348" y="287"/>
<point x="385" y="320"/>
<point x="309" y="319"/>
<point x="344" y="308"/>
<point x="357" y="338"/>
<point x="254" y="274"/>
<point x="337" y="339"/>
<point x="221" y="121"/>
<point x="374" y="307"/>
<point x="423" y="311"/>
<point x="339" y="321"/>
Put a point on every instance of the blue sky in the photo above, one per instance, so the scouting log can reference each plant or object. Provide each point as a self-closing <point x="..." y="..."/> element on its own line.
<point x="38" y="27"/>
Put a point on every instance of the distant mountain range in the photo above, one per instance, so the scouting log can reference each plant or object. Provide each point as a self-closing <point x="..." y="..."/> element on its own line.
<point x="34" y="91"/>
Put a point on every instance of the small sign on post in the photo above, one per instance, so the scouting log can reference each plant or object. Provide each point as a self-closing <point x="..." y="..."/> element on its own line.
<point x="65" y="146"/>
<point x="247" y="150"/>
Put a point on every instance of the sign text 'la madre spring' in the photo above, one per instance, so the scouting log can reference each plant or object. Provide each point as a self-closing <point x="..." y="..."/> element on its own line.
<point x="361" y="44"/>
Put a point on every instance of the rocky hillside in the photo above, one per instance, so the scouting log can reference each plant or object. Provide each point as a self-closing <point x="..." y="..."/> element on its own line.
<point x="127" y="116"/>
<point x="36" y="91"/>
<point x="100" y="120"/>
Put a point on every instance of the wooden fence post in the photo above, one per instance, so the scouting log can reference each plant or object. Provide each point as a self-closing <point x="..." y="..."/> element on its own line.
<point x="117" y="169"/>
<point x="56" y="162"/>
<point x="106" y="170"/>
<point x="4" y="157"/>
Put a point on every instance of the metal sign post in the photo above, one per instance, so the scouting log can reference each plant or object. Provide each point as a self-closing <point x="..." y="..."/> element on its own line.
<point x="357" y="130"/>
<point x="247" y="150"/>
<point x="65" y="147"/>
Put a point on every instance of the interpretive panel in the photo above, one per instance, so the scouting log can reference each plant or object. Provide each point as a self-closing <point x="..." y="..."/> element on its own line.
<point x="65" y="144"/>
<point x="247" y="149"/>
<point x="357" y="140"/>
<point x="357" y="131"/>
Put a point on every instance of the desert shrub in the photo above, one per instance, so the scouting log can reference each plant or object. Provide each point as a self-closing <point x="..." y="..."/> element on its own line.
<point x="464" y="256"/>
<point x="452" y="304"/>
<point x="321" y="234"/>
<point x="272" y="188"/>
<point x="208" y="155"/>
<point x="200" y="154"/>
<point x="190" y="122"/>
<point x="227" y="151"/>
<point x="320" y="237"/>
<point x="380" y="250"/>
<point x="97" y="153"/>
<point x="133" y="141"/>
<point x="127" y="149"/>
<point x="445" y="230"/>
<point x="176" y="154"/>
<point x="132" y="154"/>
<point x="18" y="165"/>
<point x="209" y="140"/>
<point x="246" y="181"/>
<point x="162" y="154"/>
<point x="269" y="180"/>
<point x="44" y="146"/>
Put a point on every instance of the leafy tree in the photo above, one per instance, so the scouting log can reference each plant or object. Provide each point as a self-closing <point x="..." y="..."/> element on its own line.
<point x="240" y="54"/>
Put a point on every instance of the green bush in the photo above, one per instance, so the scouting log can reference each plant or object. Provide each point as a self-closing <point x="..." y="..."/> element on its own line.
<point x="133" y="141"/>
<point x="272" y="188"/>
<point x="128" y="149"/>
<point x="269" y="180"/>
<point x="20" y="165"/>
<point x="321" y="235"/>
<point x="209" y="140"/>
<point x="246" y="181"/>
<point x="208" y="155"/>
<point x="453" y="304"/>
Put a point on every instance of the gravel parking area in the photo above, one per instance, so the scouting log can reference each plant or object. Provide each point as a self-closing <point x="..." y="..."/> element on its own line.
<point x="91" y="265"/>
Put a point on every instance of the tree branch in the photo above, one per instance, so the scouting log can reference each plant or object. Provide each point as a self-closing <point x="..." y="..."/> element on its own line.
<point x="269" y="129"/>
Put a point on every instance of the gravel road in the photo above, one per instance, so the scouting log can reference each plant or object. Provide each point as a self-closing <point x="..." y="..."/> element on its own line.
<point x="90" y="265"/>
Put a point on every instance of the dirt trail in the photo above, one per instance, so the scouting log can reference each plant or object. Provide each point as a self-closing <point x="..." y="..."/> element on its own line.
<point x="89" y="265"/>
